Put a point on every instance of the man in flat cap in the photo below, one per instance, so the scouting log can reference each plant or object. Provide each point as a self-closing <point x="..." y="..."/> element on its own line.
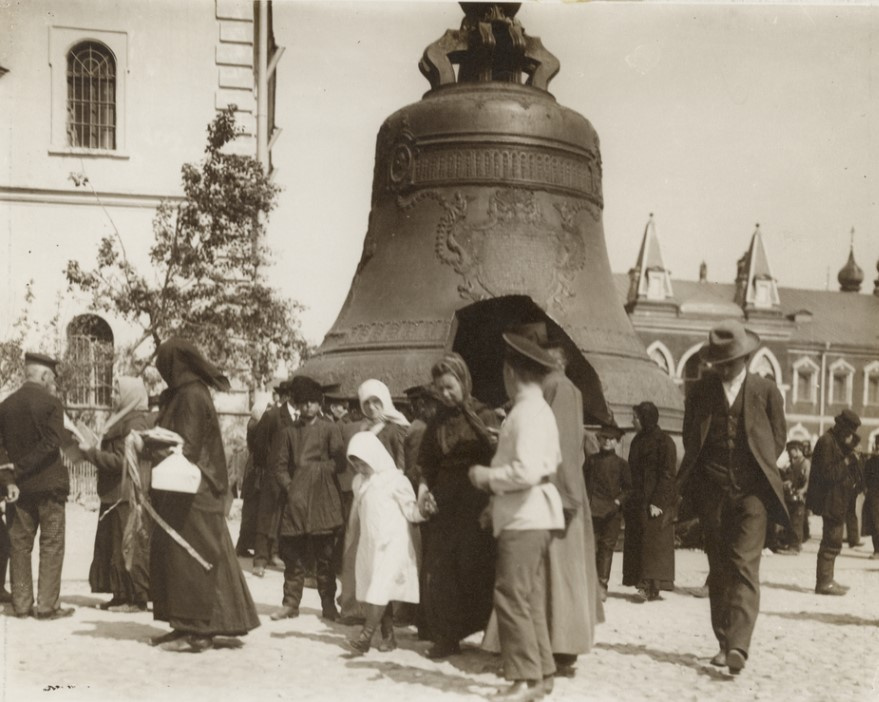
<point x="265" y="435"/>
<point x="309" y="459"/>
<point x="734" y="431"/>
<point x="835" y="475"/>
<point x="609" y="485"/>
<point x="525" y="509"/>
<point x="31" y="431"/>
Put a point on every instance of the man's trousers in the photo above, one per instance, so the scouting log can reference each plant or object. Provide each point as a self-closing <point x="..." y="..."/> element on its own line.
<point x="735" y="530"/>
<point x="46" y="513"/>
<point x="520" y="604"/>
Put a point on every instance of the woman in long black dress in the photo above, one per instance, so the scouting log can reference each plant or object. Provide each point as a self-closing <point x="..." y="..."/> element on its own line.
<point x="108" y="573"/>
<point x="198" y="604"/>
<point x="649" y="546"/>
<point x="459" y="555"/>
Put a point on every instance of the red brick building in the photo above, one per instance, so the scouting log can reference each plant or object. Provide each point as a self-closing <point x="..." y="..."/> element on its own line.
<point x="820" y="346"/>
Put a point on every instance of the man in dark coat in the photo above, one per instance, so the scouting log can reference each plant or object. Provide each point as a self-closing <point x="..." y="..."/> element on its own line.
<point x="734" y="431"/>
<point x="309" y="459"/>
<point x="609" y="484"/>
<point x="265" y="437"/>
<point x="835" y="474"/>
<point x="31" y="430"/>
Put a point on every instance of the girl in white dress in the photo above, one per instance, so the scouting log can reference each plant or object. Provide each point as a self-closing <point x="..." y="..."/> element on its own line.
<point x="385" y="509"/>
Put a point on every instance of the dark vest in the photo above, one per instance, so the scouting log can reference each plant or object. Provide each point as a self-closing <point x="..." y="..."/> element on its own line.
<point x="726" y="455"/>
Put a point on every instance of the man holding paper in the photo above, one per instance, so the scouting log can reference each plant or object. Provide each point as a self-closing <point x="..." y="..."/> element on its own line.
<point x="31" y="430"/>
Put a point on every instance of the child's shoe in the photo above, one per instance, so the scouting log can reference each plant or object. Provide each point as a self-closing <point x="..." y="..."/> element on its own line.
<point x="363" y="641"/>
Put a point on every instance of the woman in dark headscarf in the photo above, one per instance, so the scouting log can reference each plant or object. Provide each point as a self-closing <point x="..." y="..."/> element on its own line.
<point x="459" y="556"/>
<point x="648" y="551"/>
<point x="198" y="604"/>
<point x="108" y="572"/>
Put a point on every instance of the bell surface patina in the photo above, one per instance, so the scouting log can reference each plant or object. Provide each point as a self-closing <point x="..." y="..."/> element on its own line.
<point x="487" y="213"/>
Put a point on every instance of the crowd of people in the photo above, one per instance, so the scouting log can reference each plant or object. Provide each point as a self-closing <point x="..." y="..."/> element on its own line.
<point x="453" y="516"/>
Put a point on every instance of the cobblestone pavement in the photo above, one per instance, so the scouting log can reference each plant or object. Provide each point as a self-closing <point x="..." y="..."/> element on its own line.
<point x="805" y="648"/>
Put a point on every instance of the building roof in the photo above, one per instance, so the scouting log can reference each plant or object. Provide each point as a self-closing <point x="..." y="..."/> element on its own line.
<point x="818" y="316"/>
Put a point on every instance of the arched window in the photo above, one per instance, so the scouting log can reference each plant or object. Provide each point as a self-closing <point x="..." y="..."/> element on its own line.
<point x="805" y="382"/>
<point x="662" y="357"/>
<point x="91" y="96"/>
<point x="764" y="363"/>
<point x="841" y="377"/>
<point x="89" y="359"/>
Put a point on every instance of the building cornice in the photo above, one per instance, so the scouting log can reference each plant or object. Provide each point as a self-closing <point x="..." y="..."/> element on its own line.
<point x="48" y="196"/>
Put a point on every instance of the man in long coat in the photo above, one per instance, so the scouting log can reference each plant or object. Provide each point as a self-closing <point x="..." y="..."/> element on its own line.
<point x="265" y="436"/>
<point x="31" y="431"/>
<point x="309" y="458"/>
<point x="573" y="590"/>
<point x="734" y="431"/>
<point x="833" y="480"/>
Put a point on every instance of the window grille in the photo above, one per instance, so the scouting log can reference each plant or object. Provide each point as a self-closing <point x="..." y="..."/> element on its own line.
<point x="89" y="360"/>
<point x="91" y="96"/>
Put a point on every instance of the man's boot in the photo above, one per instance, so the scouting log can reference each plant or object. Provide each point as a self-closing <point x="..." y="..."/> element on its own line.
<point x="389" y="640"/>
<point x="824" y="583"/>
<point x="363" y="641"/>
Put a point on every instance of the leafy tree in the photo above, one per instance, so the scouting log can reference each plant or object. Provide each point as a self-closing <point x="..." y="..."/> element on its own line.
<point x="205" y="281"/>
<point x="26" y="334"/>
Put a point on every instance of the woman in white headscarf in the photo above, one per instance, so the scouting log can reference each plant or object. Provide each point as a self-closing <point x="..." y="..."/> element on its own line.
<point x="385" y="509"/>
<point x="383" y="419"/>
<point x="130" y="590"/>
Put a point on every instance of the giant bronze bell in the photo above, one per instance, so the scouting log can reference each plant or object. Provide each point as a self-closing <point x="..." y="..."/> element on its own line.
<point x="486" y="213"/>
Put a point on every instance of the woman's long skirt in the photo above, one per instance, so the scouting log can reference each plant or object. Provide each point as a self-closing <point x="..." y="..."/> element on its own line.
<point x="213" y="602"/>
<point x="108" y="572"/>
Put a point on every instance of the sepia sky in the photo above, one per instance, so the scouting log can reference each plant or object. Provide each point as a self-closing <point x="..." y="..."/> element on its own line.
<point x="713" y="117"/>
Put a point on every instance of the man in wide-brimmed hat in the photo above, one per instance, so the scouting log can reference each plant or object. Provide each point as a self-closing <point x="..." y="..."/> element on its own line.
<point x="525" y="508"/>
<point x="834" y="478"/>
<point x="574" y="591"/>
<point x="734" y="431"/>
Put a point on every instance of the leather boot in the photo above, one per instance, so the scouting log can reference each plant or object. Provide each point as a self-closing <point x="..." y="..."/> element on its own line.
<point x="824" y="583"/>
<point x="605" y="561"/>
<point x="389" y="640"/>
<point x="363" y="641"/>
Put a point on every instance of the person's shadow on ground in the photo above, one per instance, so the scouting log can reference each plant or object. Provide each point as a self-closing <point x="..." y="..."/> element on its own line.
<point x="627" y="597"/>
<point x="825" y="618"/>
<point x="685" y="659"/>
<point x="789" y="588"/>
<point x="428" y="677"/>
<point x="82" y="601"/>
<point x="123" y="630"/>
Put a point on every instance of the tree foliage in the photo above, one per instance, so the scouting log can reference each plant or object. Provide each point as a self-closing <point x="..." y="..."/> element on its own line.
<point x="206" y="260"/>
<point x="27" y="334"/>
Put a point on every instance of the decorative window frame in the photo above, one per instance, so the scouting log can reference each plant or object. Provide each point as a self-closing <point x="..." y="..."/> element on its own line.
<point x="61" y="41"/>
<point x="663" y="351"/>
<point x="870" y="370"/>
<point x="764" y="352"/>
<point x="814" y="371"/>
<point x="92" y="392"/>
<point x="798" y="432"/>
<point x="688" y="354"/>
<point x="832" y="372"/>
